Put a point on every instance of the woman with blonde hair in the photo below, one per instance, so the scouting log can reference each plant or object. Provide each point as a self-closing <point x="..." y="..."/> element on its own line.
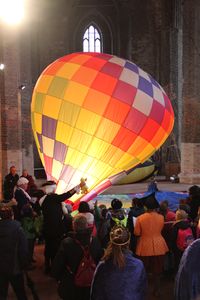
<point x="119" y="275"/>
<point x="182" y="235"/>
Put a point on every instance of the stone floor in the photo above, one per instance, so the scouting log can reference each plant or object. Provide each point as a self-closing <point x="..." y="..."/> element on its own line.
<point x="46" y="286"/>
<point x="142" y="187"/>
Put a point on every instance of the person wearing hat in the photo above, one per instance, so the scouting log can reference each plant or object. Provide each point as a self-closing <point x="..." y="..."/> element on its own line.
<point x="116" y="216"/>
<point x="21" y="196"/>
<point x="151" y="246"/>
<point x="13" y="254"/>
<point x="53" y="225"/>
<point x="119" y="275"/>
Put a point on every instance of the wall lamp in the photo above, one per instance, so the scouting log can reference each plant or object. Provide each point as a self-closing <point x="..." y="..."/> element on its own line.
<point x="2" y="66"/>
<point x="21" y="87"/>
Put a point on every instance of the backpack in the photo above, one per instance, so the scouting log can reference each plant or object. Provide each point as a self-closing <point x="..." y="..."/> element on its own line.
<point x="122" y="222"/>
<point x="184" y="238"/>
<point x="86" y="268"/>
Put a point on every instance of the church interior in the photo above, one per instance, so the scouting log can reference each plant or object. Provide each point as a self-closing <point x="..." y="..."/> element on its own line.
<point x="160" y="36"/>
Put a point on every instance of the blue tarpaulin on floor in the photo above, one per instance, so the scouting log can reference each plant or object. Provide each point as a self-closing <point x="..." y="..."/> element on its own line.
<point x="173" y="198"/>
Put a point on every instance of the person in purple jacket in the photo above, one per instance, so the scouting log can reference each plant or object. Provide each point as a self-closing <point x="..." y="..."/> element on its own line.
<point x="119" y="275"/>
<point x="187" y="282"/>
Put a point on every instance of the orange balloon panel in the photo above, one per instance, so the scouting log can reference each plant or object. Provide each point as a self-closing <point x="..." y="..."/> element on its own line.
<point x="95" y="115"/>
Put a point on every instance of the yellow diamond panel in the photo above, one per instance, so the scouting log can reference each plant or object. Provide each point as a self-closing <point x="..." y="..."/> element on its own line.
<point x="98" y="148"/>
<point x="97" y="168"/>
<point x="43" y="84"/>
<point x="37" y="119"/>
<point x="86" y="163"/>
<point x="112" y="155"/>
<point x="74" y="158"/>
<point x="80" y="140"/>
<point x="52" y="107"/>
<point x="64" y="133"/>
<point x="87" y="121"/>
<point x="68" y="70"/>
<point x="124" y="161"/>
<point x="138" y="145"/>
<point x="75" y="93"/>
<point x="69" y="113"/>
<point x="147" y="152"/>
<point x="107" y="130"/>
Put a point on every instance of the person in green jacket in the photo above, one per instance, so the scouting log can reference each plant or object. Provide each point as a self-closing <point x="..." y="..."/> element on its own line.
<point x="29" y="224"/>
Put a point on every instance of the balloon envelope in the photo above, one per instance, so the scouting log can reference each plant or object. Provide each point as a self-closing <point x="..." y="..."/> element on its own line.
<point x="95" y="115"/>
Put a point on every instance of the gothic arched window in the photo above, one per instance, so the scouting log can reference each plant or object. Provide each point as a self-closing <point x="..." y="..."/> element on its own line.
<point x="92" y="41"/>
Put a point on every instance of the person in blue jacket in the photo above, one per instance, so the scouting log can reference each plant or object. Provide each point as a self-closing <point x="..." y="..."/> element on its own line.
<point x="187" y="284"/>
<point x="119" y="275"/>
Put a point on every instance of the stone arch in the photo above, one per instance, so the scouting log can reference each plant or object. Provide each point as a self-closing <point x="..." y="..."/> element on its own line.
<point x="104" y="26"/>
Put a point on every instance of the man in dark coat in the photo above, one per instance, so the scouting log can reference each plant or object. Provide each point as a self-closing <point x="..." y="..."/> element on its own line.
<point x="53" y="226"/>
<point x="136" y="210"/>
<point x="69" y="256"/>
<point x="187" y="284"/>
<point x="13" y="255"/>
<point x="10" y="182"/>
<point x="194" y="201"/>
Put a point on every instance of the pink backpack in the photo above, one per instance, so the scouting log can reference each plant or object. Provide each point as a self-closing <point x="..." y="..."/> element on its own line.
<point x="184" y="238"/>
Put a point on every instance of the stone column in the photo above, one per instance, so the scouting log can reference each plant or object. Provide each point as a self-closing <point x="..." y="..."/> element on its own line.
<point x="1" y="99"/>
<point x="25" y="96"/>
<point x="11" y="102"/>
<point x="190" y="138"/>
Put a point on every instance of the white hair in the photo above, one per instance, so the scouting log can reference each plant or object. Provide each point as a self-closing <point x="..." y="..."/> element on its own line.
<point x="22" y="181"/>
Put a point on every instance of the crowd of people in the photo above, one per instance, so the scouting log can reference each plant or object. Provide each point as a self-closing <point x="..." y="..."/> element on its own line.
<point x="98" y="252"/>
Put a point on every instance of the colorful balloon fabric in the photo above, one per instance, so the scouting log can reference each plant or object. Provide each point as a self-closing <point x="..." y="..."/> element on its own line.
<point x="95" y="115"/>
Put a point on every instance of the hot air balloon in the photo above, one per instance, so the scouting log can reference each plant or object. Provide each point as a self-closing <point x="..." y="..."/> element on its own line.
<point x="95" y="115"/>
